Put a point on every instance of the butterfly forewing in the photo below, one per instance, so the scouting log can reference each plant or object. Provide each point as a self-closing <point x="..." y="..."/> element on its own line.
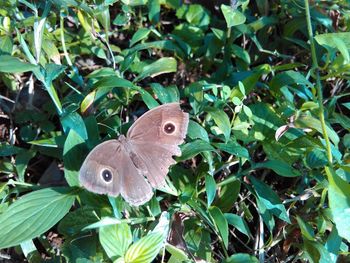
<point x="100" y="171"/>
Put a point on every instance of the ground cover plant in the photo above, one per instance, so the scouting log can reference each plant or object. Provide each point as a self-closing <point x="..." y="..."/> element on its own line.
<point x="264" y="172"/>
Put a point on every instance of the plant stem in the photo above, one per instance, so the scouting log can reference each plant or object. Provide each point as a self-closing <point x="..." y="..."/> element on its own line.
<point x="318" y="82"/>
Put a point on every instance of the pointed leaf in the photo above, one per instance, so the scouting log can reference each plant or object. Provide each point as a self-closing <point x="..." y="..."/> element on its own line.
<point x="115" y="239"/>
<point x="33" y="214"/>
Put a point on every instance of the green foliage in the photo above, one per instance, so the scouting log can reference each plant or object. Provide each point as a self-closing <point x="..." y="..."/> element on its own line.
<point x="264" y="173"/>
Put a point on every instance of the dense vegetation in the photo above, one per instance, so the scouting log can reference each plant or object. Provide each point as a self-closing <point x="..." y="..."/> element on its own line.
<point x="265" y="170"/>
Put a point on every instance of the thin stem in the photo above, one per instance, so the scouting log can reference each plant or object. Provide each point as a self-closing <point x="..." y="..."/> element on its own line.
<point x="63" y="43"/>
<point x="318" y="82"/>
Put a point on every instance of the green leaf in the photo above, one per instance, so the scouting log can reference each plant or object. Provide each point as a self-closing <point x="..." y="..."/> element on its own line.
<point x="227" y="195"/>
<point x="316" y="158"/>
<point x="270" y="199"/>
<point x="308" y="121"/>
<point x="339" y="202"/>
<point x="177" y="254"/>
<point x="339" y="41"/>
<point x="210" y="188"/>
<point x="222" y="121"/>
<point x="241" y="258"/>
<point x="145" y="249"/>
<point x="238" y="222"/>
<point x="306" y="229"/>
<point x="279" y="167"/>
<point x="33" y="214"/>
<point x="233" y="148"/>
<point x="289" y="77"/>
<point x="154" y="11"/>
<point x="72" y="223"/>
<point x="135" y="2"/>
<point x="73" y="152"/>
<point x="196" y="15"/>
<point x="8" y="150"/>
<point x="87" y="101"/>
<point x="191" y="149"/>
<point x="73" y="121"/>
<point x="9" y="64"/>
<point x="115" y="239"/>
<point x="196" y="131"/>
<point x="161" y="66"/>
<point x="232" y="17"/>
<point x="220" y="222"/>
<point x="22" y="160"/>
<point x="140" y="34"/>
<point x="166" y="95"/>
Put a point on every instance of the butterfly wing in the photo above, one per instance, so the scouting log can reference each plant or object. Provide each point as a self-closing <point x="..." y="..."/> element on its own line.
<point x="108" y="169"/>
<point x="154" y="138"/>
<point x="97" y="165"/>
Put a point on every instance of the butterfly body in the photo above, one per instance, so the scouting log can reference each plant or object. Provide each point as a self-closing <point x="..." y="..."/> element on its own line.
<point x="133" y="165"/>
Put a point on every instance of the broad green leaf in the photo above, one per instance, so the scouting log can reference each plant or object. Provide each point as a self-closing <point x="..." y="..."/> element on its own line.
<point x="87" y="101"/>
<point x="154" y="11"/>
<point x="333" y="243"/>
<point x="196" y="15"/>
<point x="316" y="158"/>
<point x="339" y="202"/>
<point x="308" y="121"/>
<point x="54" y="142"/>
<point x="191" y="149"/>
<point x="145" y="249"/>
<point x="338" y="41"/>
<point x="227" y="195"/>
<point x="9" y="64"/>
<point x="115" y="239"/>
<point x="232" y="16"/>
<point x="238" y="222"/>
<point x="166" y="94"/>
<point x="52" y="71"/>
<point x="22" y="160"/>
<point x="73" y="152"/>
<point x="177" y="255"/>
<point x="8" y="150"/>
<point x="233" y="148"/>
<point x="135" y="2"/>
<point x="279" y="167"/>
<point x="270" y="199"/>
<point x="221" y="120"/>
<point x="241" y="258"/>
<point x="139" y="35"/>
<point x="73" y="121"/>
<point x="161" y="66"/>
<point x="33" y="214"/>
<point x="196" y="131"/>
<point x="306" y="229"/>
<point x="6" y="45"/>
<point x="220" y="222"/>
<point x="210" y="188"/>
<point x="112" y="82"/>
<point x="316" y="252"/>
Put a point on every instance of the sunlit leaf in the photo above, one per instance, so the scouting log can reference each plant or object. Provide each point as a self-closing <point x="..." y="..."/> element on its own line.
<point x="40" y="210"/>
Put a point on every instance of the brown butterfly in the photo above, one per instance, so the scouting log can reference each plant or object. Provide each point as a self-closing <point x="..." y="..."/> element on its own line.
<point x="132" y="165"/>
